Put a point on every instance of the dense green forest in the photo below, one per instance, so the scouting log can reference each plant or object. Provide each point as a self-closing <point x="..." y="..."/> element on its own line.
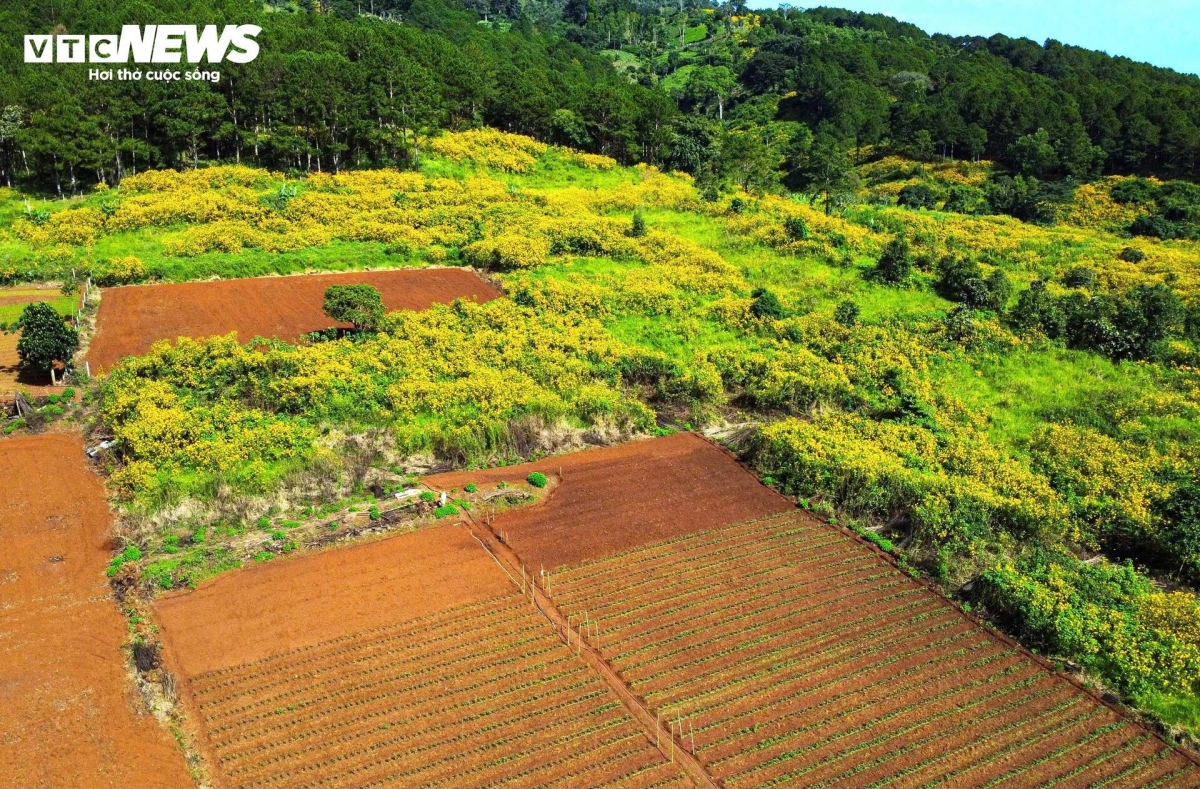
<point x="714" y="90"/>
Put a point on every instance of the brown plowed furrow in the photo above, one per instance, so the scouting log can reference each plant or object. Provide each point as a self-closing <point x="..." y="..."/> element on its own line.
<point x="890" y="638"/>
<point x="598" y="769"/>
<point x="639" y="607"/>
<point x="347" y="659"/>
<point x="855" y="589"/>
<point x="402" y="751"/>
<point x="717" y="637"/>
<point x="927" y="731"/>
<point x="1160" y="764"/>
<point x="844" y="709"/>
<point x="1108" y="767"/>
<point x="1095" y="756"/>
<point x="652" y="674"/>
<point x="720" y="557"/>
<point x="562" y="736"/>
<point x="760" y="714"/>
<point x="437" y="626"/>
<point x="396" y="689"/>
<point x="346" y="724"/>
<point x="657" y="775"/>
<point x="699" y="630"/>
<point x="823" y="752"/>
<point x="819" y="677"/>
<point x="574" y="745"/>
<point x="990" y="761"/>
<point x="237" y="711"/>
<point x="661" y="552"/>
<point x="1186" y="778"/>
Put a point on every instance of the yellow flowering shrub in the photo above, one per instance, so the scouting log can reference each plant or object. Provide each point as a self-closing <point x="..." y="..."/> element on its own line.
<point x="955" y="487"/>
<point x="119" y="270"/>
<point x="499" y="150"/>
<point x="508" y="251"/>
<point x="449" y="379"/>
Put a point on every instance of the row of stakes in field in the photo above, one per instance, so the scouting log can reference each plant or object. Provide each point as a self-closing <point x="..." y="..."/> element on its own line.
<point x="592" y="630"/>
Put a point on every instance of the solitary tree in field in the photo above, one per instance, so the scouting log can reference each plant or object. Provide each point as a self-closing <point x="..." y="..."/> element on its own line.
<point x="45" y="338"/>
<point x="359" y="305"/>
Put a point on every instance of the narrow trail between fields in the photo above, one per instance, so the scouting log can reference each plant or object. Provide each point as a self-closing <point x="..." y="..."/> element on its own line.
<point x="671" y="744"/>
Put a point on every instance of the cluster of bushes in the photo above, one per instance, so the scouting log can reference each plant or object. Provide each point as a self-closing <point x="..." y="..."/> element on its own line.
<point x="1108" y="618"/>
<point x="1169" y="210"/>
<point x="1133" y="324"/>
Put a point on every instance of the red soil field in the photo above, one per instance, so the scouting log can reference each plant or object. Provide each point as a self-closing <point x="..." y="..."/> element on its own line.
<point x="411" y="661"/>
<point x="69" y="715"/>
<point x="133" y="318"/>
<point x="608" y="500"/>
<point x="800" y="657"/>
<point x="289" y="604"/>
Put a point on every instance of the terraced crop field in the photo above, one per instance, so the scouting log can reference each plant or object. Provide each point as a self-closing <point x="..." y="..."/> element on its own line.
<point x="797" y="656"/>
<point x="478" y="694"/>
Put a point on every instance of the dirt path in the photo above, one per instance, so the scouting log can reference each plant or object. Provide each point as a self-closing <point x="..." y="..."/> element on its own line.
<point x="133" y="318"/>
<point x="69" y="715"/>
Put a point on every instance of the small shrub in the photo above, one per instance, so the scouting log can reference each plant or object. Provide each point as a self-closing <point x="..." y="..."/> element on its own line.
<point x="442" y="512"/>
<point x="846" y="313"/>
<point x="427" y="495"/>
<point x="638" y="228"/>
<point x="14" y="426"/>
<point x="373" y="513"/>
<point x="263" y="523"/>
<point x="766" y="304"/>
<point x="537" y="479"/>
<point x="796" y="227"/>
<point x="737" y="205"/>
<point x="471" y="487"/>
<point x="51" y="398"/>
<point x="895" y="264"/>
<point x="1131" y="255"/>
<point x="68" y="393"/>
<point x="1081" y="277"/>
<point x="917" y="196"/>
<point x="279" y="534"/>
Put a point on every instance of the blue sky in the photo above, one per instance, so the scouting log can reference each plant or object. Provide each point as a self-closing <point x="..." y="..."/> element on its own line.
<point x="1162" y="32"/>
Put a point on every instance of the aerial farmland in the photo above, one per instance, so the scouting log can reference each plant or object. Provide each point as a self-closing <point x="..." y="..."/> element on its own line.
<point x="446" y="394"/>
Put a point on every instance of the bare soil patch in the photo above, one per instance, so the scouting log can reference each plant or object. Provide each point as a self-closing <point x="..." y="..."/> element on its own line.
<point x="69" y="715"/>
<point x="287" y="604"/>
<point x="611" y="499"/>
<point x="133" y="318"/>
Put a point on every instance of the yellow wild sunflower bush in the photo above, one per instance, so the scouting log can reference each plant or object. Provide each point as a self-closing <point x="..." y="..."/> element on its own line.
<point x="449" y="380"/>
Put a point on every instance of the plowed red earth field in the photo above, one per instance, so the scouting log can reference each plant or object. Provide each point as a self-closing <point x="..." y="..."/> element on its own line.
<point x="133" y="318"/>
<point x="69" y="716"/>
<point x="407" y="662"/>
<point x="799" y="657"/>
<point x="608" y="500"/>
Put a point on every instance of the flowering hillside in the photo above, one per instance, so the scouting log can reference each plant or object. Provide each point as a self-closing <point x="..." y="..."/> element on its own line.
<point x="995" y="400"/>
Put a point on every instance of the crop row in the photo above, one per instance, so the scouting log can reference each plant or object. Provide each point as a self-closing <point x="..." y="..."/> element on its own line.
<point x="457" y="630"/>
<point x="710" y="592"/>
<point x="491" y="695"/>
<point x="725" y="552"/>
<point x="346" y="721"/>
<point x="701" y="586"/>
<point x="279" y="693"/>
<point x="480" y="612"/>
<point x="802" y="659"/>
<point x="719" y="550"/>
<point x="652" y="553"/>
